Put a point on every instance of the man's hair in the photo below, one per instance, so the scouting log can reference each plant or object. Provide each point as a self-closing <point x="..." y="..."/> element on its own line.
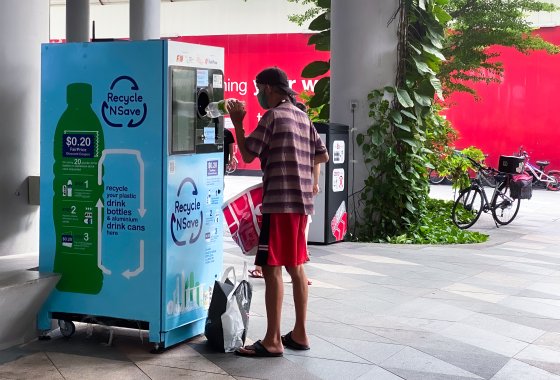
<point x="277" y="78"/>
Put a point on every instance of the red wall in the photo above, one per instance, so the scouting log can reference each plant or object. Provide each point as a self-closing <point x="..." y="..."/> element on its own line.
<point x="247" y="55"/>
<point x="521" y="110"/>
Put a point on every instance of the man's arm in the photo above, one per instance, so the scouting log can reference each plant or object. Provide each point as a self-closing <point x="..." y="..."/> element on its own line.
<point x="237" y="114"/>
<point x="321" y="158"/>
<point x="316" y="173"/>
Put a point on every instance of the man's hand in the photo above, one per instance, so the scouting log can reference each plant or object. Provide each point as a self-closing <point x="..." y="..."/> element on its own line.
<point x="237" y="112"/>
<point x="316" y="189"/>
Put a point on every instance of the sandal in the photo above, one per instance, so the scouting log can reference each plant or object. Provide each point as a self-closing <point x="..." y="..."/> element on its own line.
<point x="258" y="351"/>
<point x="255" y="273"/>
<point x="289" y="342"/>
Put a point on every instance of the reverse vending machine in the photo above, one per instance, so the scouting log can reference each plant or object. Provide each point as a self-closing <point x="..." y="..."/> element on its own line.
<point x="131" y="185"/>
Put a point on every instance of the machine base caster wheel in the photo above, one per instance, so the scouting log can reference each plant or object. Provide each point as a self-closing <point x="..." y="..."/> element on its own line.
<point x="67" y="328"/>
<point x="158" y="349"/>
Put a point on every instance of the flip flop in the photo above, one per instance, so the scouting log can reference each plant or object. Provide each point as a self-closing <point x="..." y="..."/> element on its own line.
<point x="289" y="342"/>
<point x="259" y="351"/>
<point x="255" y="273"/>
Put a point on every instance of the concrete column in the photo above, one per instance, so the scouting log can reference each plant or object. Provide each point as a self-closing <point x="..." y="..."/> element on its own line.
<point x="145" y="19"/>
<point x="24" y="25"/>
<point x="77" y="21"/>
<point x="363" y="58"/>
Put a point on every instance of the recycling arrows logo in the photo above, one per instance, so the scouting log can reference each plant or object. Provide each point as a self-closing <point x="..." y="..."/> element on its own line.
<point x="183" y="217"/>
<point x="123" y="104"/>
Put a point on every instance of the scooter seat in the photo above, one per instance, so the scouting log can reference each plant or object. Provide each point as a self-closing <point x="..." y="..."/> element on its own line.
<point x="543" y="163"/>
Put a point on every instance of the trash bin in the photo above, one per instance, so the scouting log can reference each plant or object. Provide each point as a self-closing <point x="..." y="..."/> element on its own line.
<point x="330" y="222"/>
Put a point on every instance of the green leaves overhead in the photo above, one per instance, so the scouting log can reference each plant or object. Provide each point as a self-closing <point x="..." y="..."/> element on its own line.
<point x="315" y="69"/>
<point x="322" y="85"/>
<point x="322" y="22"/>
<point x="480" y="24"/>
<point x="322" y="40"/>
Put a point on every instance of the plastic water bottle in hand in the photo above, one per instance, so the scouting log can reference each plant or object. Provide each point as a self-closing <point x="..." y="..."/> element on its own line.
<point x="217" y="109"/>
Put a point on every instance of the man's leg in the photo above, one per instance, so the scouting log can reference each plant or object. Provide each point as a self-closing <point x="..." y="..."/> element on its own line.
<point x="300" y="289"/>
<point x="273" y="297"/>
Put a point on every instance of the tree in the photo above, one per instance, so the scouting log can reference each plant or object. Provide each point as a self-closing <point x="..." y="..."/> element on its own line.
<point x="480" y="24"/>
<point x="476" y="25"/>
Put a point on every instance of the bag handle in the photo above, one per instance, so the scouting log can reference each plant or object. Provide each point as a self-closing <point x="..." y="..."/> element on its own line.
<point x="245" y="271"/>
<point x="226" y="274"/>
<point x="236" y="284"/>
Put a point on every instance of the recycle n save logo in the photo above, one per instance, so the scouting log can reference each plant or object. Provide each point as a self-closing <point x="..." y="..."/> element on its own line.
<point x="187" y="215"/>
<point x="124" y="104"/>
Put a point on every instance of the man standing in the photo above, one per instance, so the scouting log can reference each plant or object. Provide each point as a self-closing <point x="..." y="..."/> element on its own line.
<point x="288" y="147"/>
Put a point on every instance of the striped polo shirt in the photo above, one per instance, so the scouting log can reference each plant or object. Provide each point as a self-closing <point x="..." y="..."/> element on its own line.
<point x="286" y="143"/>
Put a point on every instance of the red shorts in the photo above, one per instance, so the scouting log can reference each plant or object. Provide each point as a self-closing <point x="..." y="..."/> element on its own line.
<point x="282" y="240"/>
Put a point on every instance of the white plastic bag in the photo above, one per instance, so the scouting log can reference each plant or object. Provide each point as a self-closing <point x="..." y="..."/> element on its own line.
<point x="228" y="315"/>
<point x="235" y="320"/>
<point x="232" y="323"/>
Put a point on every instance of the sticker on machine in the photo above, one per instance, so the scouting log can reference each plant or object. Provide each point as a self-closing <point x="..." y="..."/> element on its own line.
<point x="202" y="78"/>
<point x="217" y="81"/>
<point x="338" y="150"/>
<point x="337" y="180"/>
<point x="339" y="224"/>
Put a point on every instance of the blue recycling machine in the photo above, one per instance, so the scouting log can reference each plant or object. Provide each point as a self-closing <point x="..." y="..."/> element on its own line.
<point x="131" y="185"/>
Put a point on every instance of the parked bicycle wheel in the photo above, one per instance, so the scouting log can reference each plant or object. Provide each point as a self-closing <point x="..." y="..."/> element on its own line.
<point x="467" y="207"/>
<point x="554" y="186"/>
<point x="504" y="207"/>
<point x="434" y="178"/>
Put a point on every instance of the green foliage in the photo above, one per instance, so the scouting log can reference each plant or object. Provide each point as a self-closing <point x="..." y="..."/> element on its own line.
<point x="317" y="102"/>
<point x="394" y="147"/>
<point x="309" y="14"/>
<point x="436" y="227"/>
<point x="313" y="112"/>
<point x="459" y="167"/>
<point x="479" y="24"/>
<point x="441" y="155"/>
<point x="406" y="127"/>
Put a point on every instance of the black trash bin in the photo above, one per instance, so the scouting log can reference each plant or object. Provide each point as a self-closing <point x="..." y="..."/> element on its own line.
<point x="330" y="222"/>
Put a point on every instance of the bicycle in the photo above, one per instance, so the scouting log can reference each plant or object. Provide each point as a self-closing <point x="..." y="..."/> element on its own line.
<point x="550" y="180"/>
<point x="435" y="179"/>
<point x="473" y="200"/>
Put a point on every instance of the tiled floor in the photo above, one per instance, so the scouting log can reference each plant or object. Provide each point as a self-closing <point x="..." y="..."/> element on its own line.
<point x="487" y="311"/>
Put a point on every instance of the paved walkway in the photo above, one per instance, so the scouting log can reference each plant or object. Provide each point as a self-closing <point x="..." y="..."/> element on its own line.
<point x="376" y="311"/>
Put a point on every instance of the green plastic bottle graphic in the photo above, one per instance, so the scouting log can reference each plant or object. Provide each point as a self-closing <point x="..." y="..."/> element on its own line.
<point x="78" y="145"/>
